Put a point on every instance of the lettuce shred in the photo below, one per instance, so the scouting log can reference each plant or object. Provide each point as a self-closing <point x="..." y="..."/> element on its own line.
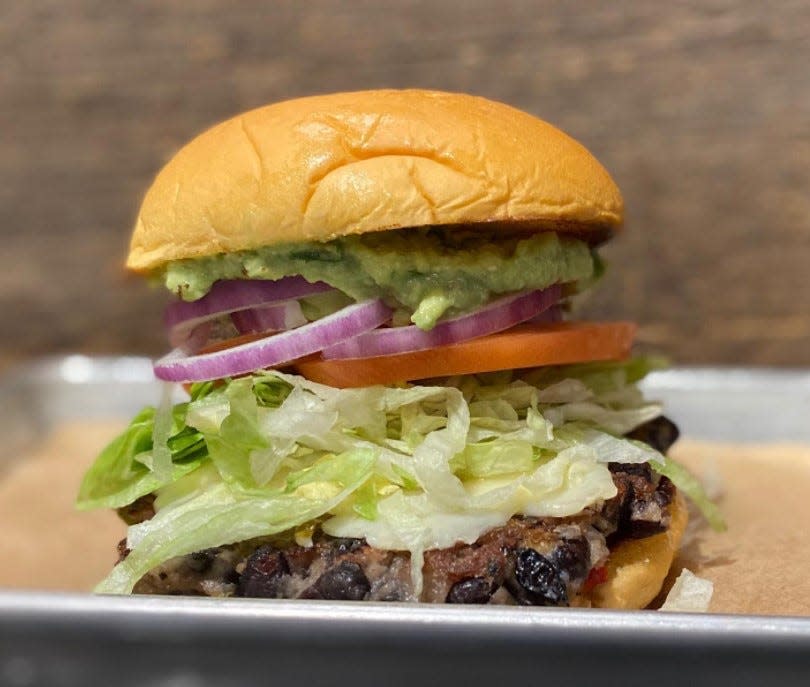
<point x="407" y="468"/>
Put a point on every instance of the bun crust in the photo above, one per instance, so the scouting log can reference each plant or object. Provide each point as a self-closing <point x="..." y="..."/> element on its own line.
<point x="317" y="168"/>
<point x="637" y="568"/>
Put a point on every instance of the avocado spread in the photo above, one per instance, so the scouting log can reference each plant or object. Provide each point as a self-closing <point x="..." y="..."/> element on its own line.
<point x="428" y="273"/>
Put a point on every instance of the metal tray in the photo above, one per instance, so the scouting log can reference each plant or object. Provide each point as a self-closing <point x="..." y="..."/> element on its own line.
<point x="71" y="639"/>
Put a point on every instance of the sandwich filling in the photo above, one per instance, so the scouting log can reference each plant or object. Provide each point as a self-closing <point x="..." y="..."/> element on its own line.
<point x="403" y="469"/>
<point x="269" y="483"/>
<point x="527" y="561"/>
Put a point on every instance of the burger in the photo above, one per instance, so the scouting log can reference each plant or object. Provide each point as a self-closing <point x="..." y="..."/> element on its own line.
<point x="376" y="389"/>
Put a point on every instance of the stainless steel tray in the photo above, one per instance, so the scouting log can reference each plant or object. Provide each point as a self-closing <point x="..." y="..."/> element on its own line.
<point x="65" y="639"/>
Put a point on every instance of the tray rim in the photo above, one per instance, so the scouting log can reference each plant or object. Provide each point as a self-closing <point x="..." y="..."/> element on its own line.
<point x="206" y="615"/>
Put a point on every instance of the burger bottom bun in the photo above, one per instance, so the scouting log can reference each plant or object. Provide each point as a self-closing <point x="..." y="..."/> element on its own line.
<point x="637" y="568"/>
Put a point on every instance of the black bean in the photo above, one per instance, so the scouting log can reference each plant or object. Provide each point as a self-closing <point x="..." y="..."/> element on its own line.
<point x="538" y="580"/>
<point x="345" y="582"/>
<point x="664" y="493"/>
<point x="474" y="590"/>
<point x="573" y="558"/>
<point x="659" y="433"/>
<point x="641" y="529"/>
<point x="648" y="510"/>
<point x="264" y="573"/>
<point x="230" y="576"/>
<point x="636" y="469"/>
<point x="201" y="561"/>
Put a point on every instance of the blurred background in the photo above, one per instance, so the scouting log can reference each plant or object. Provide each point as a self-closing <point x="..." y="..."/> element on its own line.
<point x="700" y="110"/>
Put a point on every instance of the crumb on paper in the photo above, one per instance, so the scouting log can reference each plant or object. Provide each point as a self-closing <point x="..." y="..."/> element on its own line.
<point x="689" y="594"/>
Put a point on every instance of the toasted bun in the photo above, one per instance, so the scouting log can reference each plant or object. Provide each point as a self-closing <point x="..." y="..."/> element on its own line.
<point x="637" y="567"/>
<point x="318" y="168"/>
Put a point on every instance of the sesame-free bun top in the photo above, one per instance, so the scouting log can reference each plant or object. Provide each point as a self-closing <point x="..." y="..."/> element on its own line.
<point x="317" y="168"/>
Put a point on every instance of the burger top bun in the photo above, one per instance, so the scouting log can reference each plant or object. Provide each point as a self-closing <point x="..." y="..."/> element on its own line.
<point x="317" y="168"/>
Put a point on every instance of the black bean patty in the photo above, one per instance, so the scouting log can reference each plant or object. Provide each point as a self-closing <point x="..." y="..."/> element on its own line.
<point x="527" y="561"/>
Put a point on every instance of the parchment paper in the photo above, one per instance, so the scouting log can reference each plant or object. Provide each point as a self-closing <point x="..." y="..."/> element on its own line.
<point x="45" y="543"/>
<point x="759" y="566"/>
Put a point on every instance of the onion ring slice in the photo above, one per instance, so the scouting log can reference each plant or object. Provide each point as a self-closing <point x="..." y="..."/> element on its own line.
<point x="274" y="350"/>
<point x="233" y="295"/>
<point x="496" y="316"/>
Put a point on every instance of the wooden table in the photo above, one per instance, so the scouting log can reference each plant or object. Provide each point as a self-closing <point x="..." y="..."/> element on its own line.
<point x="701" y="110"/>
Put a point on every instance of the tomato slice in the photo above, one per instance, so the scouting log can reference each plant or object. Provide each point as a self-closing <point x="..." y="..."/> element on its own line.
<point x="527" y="345"/>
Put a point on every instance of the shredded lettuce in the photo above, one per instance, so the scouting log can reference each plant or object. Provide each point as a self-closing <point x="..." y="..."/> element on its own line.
<point x="407" y="468"/>
<point x="125" y="470"/>
<point x="492" y="459"/>
<point x="238" y="436"/>
<point x="220" y="515"/>
<point x="161" y="433"/>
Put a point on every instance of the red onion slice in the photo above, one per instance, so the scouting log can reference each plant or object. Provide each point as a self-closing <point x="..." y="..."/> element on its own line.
<point x="274" y="350"/>
<point x="495" y="317"/>
<point x="225" y="297"/>
<point x="271" y="318"/>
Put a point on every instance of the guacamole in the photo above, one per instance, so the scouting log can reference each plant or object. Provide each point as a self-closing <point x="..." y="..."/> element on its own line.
<point x="428" y="273"/>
